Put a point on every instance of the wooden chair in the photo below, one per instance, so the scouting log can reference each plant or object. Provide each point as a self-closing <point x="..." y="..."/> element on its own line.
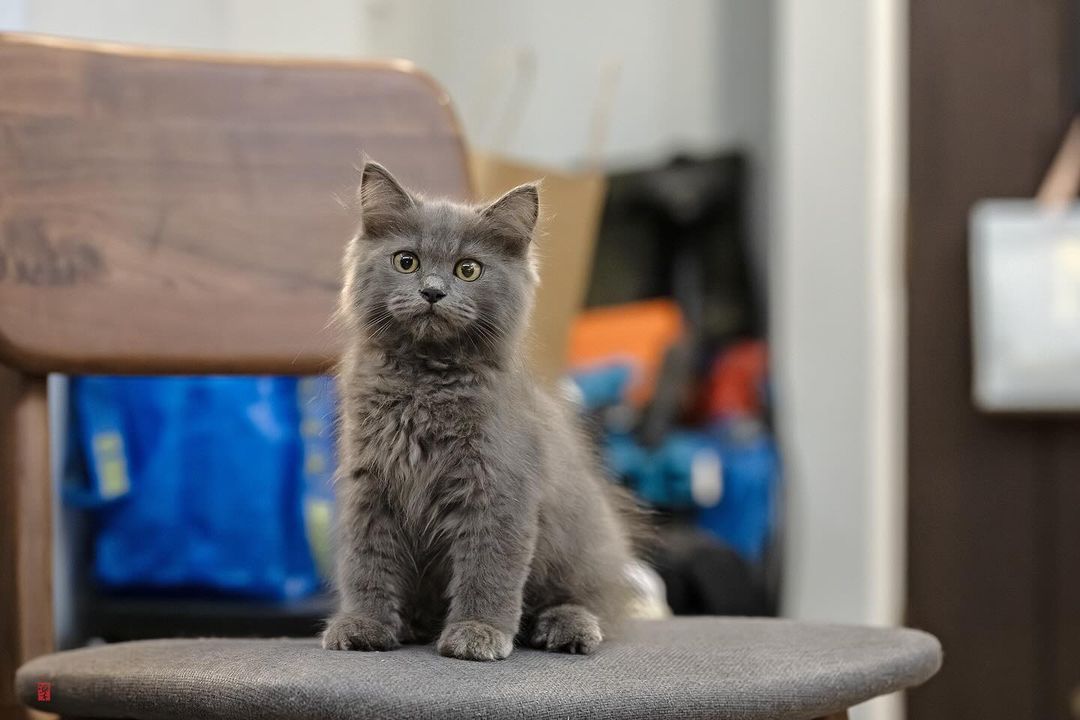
<point x="163" y="212"/>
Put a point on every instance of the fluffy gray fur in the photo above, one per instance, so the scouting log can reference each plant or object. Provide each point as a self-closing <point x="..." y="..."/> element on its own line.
<point x="471" y="508"/>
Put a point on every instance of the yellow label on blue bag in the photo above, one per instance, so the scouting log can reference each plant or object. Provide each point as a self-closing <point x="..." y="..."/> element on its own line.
<point x="319" y="521"/>
<point x="111" y="465"/>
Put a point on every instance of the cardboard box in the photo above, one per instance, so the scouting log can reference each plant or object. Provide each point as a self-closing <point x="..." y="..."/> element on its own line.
<point x="571" y="204"/>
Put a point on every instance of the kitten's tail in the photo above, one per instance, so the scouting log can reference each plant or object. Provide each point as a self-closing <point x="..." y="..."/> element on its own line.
<point x="636" y="520"/>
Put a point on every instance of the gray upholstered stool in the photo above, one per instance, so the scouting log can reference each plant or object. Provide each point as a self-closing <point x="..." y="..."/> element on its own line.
<point x="682" y="668"/>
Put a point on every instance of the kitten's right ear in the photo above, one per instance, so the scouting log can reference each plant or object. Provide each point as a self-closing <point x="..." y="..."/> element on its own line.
<point x="383" y="201"/>
<point x="514" y="215"/>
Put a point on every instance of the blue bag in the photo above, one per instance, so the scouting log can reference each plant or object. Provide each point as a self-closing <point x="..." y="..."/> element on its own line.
<point x="739" y="509"/>
<point x="746" y="513"/>
<point x="198" y="483"/>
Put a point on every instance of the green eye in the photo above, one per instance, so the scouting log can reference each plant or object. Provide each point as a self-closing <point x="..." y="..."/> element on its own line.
<point x="469" y="270"/>
<point x="406" y="262"/>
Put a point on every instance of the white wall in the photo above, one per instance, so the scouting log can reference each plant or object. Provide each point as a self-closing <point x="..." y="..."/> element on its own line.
<point x="326" y="27"/>
<point x="672" y="90"/>
<point x="837" y="307"/>
<point x="748" y="48"/>
<point x="818" y="314"/>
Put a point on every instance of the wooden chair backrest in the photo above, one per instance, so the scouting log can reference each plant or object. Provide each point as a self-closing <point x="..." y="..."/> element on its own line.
<point x="166" y="212"/>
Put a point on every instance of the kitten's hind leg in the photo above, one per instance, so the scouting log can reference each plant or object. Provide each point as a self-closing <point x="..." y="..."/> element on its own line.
<point x="566" y="628"/>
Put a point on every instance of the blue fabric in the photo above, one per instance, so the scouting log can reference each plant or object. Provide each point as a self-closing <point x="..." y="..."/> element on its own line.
<point x="745" y="515"/>
<point x="743" y="454"/>
<point x="603" y="386"/>
<point x="198" y="482"/>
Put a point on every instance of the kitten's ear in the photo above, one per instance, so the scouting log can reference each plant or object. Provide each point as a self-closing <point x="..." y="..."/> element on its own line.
<point x="514" y="215"/>
<point x="383" y="201"/>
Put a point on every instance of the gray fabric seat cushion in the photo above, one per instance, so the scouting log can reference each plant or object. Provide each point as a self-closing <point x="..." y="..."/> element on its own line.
<point x="680" y="668"/>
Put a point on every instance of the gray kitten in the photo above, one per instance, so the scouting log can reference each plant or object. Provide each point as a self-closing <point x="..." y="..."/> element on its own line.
<point x="470" y="507"/>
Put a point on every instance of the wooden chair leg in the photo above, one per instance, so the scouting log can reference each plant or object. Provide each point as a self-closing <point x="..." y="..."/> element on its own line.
<point x="26" y="606"/>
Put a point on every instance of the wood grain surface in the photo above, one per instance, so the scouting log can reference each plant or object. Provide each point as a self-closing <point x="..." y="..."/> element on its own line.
<point x="168" y="212"/>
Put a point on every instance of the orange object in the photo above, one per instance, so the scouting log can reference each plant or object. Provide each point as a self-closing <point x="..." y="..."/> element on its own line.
<point x="639" y="333"/>
<point x="735" y="381"/>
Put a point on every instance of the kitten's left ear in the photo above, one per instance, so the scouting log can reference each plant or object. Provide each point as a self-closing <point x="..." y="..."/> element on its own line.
<point x="514" y="215"/>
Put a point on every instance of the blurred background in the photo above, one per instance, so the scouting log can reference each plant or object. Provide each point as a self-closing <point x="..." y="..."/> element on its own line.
<point x="777" y="321"/>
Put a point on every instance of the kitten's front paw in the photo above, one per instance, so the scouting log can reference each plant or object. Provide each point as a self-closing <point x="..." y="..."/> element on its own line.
<point x="567" y="628"/>
<point x="474" y="640"/>
<point x="346" y="631"/>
